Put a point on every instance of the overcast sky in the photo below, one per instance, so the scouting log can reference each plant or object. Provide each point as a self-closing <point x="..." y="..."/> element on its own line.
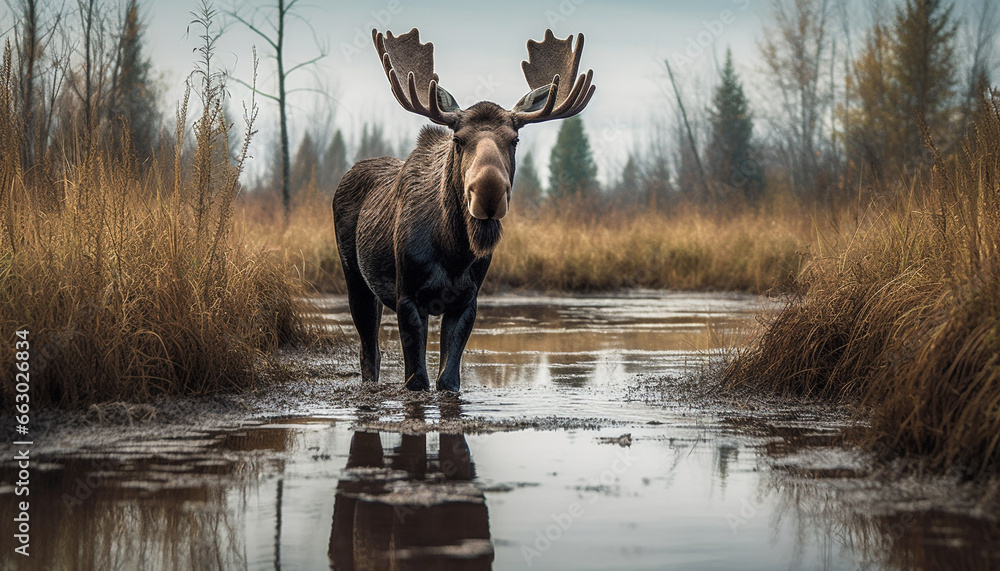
<point x="478" y="50"/>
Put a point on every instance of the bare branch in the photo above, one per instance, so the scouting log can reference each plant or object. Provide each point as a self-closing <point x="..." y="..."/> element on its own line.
<point x="299" y="66"/>
<point x="254" y="89"/>
<point x="254" y="29"/>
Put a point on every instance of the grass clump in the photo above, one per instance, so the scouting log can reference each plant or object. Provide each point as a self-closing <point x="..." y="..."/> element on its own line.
<point x="905" y="320"/>
<point x="130" y="281"/>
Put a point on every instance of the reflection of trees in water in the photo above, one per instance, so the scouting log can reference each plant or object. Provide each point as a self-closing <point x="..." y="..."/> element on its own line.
<point x="166" y="509"/>
<point x="409" y="508"/>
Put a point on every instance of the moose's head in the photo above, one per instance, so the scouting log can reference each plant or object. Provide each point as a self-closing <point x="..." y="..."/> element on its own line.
<point x="485" y="134"/>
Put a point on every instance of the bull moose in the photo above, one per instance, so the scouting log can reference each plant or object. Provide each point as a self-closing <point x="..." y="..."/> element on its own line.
<point x="417" y="236"/>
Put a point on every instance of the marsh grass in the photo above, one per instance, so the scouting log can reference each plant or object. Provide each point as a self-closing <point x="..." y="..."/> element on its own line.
<point x="133" y="285"/>
<point x="689" y="248"/>
<point x="578" y="249"/>
<point x="905" y="320"/>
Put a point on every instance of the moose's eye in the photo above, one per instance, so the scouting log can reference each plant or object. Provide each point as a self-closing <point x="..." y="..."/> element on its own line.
<point x="458" y="141"/>
<point x="515" y="142"/>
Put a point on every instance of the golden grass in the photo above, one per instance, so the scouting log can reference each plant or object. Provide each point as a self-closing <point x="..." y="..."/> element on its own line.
<point x="573" y="249"/>
<point x="686" y="250"/>
<point x="132" y="285"/>
<point x="906" y="319"/>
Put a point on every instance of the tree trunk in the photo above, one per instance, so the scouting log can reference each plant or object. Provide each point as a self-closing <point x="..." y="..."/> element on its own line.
<point x="690" y="134"/>
<point x="286" y="199"/>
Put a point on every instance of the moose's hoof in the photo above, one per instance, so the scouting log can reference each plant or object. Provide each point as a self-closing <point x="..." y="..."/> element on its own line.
<point x="448" y="385"/>
<point x="369" y="372"/>
<point x="418" y="383"/>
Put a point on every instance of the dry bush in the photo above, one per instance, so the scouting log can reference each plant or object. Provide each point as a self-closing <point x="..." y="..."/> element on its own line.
<point x="906" y="319"/>
<point x="133" y="285"/>
<point x="305" y="243"/>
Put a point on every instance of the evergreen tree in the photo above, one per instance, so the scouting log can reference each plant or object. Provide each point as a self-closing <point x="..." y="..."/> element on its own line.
<point x="373" y="143"/>
<point x="903" y="77"/>
<point x="924" y="70"/>
<point x="572" y="171"/>
<point x="304" y="166"/>
<point x="527" y="186"/>
<point x="334" y="163"/>
<point x="729" y="149"/>
<point x="629" y="189"/>
<point x="132" y="101"/>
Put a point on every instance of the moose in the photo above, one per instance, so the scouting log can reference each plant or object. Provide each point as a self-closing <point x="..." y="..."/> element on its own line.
<point x="417" y="236"/>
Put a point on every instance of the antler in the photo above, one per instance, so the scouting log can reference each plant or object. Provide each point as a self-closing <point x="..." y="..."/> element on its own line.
<point x="415" y="61"/>
<point x="549" y="62"/>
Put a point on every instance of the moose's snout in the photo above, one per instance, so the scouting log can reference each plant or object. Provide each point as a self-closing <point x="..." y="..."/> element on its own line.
<point x="488" y="193"/>
<point x="487" y="185"/>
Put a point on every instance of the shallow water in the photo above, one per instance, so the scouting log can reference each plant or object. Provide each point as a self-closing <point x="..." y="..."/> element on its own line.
<point x="655" y="485"/>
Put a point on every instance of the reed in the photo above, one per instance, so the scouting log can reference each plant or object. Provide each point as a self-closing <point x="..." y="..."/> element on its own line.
<point x="905" y="320"/>
<point x="131" y="282"/>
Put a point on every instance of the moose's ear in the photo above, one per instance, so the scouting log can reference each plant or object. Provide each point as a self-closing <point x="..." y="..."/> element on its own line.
<point x="446" y="102"/>
<point x="534" y="100"/>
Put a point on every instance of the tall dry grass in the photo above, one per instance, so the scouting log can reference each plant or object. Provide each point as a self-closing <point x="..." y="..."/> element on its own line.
<point x="133" y="285"/>
<point x="905" y="320"/>
<point x="689" y="248"/>
<point x="567" y="248"/>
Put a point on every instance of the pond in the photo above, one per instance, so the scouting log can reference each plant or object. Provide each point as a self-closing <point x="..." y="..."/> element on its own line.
<point x="565" y="450"/>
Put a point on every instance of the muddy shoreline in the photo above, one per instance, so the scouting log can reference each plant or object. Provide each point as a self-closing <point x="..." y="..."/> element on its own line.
<point x="557" y="398"/>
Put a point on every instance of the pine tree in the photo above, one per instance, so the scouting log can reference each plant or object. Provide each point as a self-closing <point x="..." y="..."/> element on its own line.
<point x="373" y="143"/>
<point x="133" y="97"/>
<point x="572" y="171"/>
<point x="334" y="163"/>
<point x="904" y="77"/>
<point x="527" y="186"/>
<point x="924" y="70"/>
<point x="730" y="151"/>
<point x="305" y="164"/>
<point x="629" y="190"/>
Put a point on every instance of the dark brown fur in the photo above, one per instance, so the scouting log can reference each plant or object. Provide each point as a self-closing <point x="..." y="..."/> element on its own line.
<point x="408" y="240"/>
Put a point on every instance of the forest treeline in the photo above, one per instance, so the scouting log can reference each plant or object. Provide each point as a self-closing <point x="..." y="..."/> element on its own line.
<point x="860" y="95"/>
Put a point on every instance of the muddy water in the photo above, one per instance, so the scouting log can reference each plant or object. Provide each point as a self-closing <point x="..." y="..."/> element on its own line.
<point x="562" y="452"/>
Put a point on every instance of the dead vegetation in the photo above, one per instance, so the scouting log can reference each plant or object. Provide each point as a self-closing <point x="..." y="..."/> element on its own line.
<point x="905" y="320"/>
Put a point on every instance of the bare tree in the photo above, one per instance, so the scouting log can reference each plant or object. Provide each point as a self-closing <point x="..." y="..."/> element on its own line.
<point x="38" y="81"/>
<point x="693" y="146"/>
<point x="277" y="19"/>
<point x="796" y="51"/>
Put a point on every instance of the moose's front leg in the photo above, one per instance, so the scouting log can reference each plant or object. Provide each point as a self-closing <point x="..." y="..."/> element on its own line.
<point x="456" y="327"/>
<point x="413" y="336"/>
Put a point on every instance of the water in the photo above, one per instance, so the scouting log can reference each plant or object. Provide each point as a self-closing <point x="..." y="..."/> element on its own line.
<point x="658" y="485"/>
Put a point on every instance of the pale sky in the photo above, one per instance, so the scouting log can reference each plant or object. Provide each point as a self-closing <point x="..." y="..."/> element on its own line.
<point x="478" y="50"/>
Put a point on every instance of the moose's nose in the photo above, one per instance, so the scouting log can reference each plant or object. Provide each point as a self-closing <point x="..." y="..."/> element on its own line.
<point x="487" y="192"/>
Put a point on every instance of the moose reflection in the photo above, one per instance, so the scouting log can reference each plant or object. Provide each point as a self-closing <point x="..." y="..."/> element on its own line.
<point x="409" y="508"/>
